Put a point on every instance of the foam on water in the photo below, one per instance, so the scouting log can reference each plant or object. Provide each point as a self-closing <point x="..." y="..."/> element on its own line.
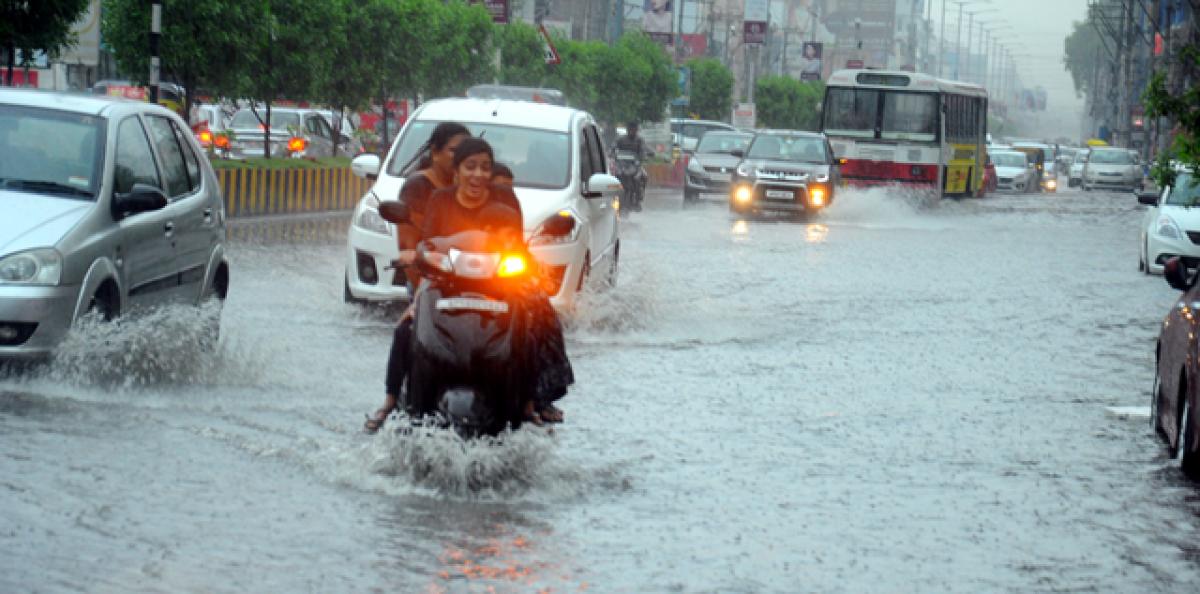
<point x="400" y="461"/>
<point x="887" y="207"/>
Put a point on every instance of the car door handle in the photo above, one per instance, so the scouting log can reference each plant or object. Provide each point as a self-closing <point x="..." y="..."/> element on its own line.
<point x="207" y="214"/>
<point x="169" y="228"/>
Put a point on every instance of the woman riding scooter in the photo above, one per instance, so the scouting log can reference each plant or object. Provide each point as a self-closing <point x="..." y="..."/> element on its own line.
<point x="435" y="170"/>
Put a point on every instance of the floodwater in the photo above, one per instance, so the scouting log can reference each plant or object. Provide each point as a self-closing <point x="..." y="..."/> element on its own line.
<point x="890" y="397"/>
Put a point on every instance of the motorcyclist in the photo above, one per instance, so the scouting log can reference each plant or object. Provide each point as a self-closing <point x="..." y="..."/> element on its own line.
<point x="477" y="203"/>
<point x="633" y="143"/>
<point x="434" y="170"/>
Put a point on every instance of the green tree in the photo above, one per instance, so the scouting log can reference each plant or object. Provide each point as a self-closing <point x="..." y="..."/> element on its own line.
<point x="202" y="44"/>
<point x="661" y="83"/>
<point x="1184" y="110"/>
<point x="1083" y="51"/>
<point x="711" y="96"/>
<point x="36" y="25"/>
<point x="458" y="49"/>
<point x="783" y="102"/>
<point x="521" y="59"/>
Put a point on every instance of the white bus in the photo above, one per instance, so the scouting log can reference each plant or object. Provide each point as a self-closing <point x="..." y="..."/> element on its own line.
<point x="892" y="127"/>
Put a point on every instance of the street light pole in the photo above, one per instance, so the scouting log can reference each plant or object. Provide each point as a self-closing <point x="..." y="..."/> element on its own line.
<point x="155" y="32"/>
<point x="942" y="41"/>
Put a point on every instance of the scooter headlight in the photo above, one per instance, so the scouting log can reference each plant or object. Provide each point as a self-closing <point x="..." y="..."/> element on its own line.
<point x="512" y="265"/>
<point x="368" y="217"/>
<point x="35" y="267"/>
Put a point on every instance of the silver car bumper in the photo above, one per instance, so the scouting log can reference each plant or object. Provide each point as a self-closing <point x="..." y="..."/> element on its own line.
<point x="39" y="317"/>
<point x="767" y="195"/>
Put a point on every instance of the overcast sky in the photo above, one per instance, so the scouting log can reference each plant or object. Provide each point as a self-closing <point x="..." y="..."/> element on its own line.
<point x="1034" y="28"/>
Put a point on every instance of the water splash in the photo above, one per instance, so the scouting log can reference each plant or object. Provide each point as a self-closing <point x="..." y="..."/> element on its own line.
<point x="889" y="206"/>
<point x="174" y="344"/>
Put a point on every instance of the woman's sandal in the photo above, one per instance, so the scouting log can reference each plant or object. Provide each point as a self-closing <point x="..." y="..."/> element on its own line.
<point x="551" y="414"/>
<point x="376" y="422"/>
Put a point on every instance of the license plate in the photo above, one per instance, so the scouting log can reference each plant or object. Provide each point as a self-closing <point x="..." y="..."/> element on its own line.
<point x="779" y="194"/>
<point x="470" y="304"/>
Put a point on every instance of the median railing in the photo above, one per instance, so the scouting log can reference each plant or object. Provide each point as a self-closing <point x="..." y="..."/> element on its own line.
<point x="254" y="192"/>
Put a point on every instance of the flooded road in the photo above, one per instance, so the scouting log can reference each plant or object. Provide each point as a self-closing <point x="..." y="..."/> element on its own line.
<point x="886" y="398"/>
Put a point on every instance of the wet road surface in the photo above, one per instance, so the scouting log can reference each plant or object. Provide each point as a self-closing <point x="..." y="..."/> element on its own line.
<point x="885" y="398"/>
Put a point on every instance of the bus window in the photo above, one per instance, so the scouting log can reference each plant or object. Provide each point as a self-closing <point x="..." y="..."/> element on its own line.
<point x="910" y="116"/>
<point x="852" y="112"/>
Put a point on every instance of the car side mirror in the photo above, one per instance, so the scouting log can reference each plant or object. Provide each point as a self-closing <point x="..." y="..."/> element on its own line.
<point x="1149" y="198"/>
<point x="140" y="198"/>
<point x="394" y="212"/>
<point x="739" y="153"/>
<point x="1176" y="274"/>
<point x="366" y="166"/>
<point x="600" y="185"/>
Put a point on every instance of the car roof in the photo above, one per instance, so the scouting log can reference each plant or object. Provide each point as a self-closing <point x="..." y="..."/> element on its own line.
<point x="83" y="103"/>
<point x="771" y="132"/>
<point x="505" y="112"/>
<point x="704" y="122"/>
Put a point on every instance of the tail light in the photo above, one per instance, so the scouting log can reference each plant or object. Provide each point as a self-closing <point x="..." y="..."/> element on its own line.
<point x="296" y="145"/>
<point x="206" y="137"/>
<point x="221" y="141"/>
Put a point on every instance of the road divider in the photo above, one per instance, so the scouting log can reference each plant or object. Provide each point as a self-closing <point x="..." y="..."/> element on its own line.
<point x="256" y="192"/>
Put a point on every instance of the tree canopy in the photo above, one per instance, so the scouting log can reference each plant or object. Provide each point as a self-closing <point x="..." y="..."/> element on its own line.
<point x="1083" y="54"/>
<point x="711" y="97"/>
<point x="784" y="102"/>
<point x="1184" y="110"/>
<point x="36" y="25"/>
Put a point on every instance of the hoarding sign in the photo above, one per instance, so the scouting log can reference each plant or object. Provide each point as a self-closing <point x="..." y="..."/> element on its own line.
<point x="755" y="19"/>
<point x="745" y="116"/>
<point x="498" y="8"/>
<point x="658" y="20"/>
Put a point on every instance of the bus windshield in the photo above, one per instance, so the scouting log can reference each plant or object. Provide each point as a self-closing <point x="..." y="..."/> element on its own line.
<point x="905" y="116"/>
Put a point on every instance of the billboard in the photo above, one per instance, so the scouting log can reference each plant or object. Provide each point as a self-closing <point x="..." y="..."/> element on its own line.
<point x="658" y="20"/>
<point x="810" y="64"/>
<point x="755" y="19"/>
<point x="864" y="26"/>
<point x="498" y="8"/>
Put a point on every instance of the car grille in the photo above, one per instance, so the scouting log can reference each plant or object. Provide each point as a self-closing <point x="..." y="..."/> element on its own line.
<point x="717" y="169"/>
<point x="1005" y="180"/>
<point x="789" y="175"/>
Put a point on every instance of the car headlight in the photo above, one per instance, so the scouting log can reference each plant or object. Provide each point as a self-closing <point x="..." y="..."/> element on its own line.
<point x="560" y="227"/>
<point x="368" y="217"/>
<point x="744" y="170"/>
<point x="35" y="267"/>
<point x="694" y="166"/>
<point x="1168" y="229"/>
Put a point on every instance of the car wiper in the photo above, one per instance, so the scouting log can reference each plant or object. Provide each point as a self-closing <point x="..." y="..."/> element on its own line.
<point x="43" y="186"/>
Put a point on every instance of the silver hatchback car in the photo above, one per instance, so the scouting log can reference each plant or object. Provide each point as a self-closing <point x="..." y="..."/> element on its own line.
<point x="105" y="205"/>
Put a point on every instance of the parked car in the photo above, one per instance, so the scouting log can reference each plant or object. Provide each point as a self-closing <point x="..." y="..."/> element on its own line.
<point x="1075" y="172"/>
<point x="210" y="126"/>
<point x="1112" y="168"/>
<point x="105" y="206"/>
<point x="295" y="132"/>
<point x="710" y="169"/>
<point x="686" y="133"/>
<point x="1171" y="224"/>
<point x="1174" y="417"/>
<point x="786" y="171"/>
<point x="560" y="168"/>
<point x="1014" y="172"/>
<point x="350" y="145"/>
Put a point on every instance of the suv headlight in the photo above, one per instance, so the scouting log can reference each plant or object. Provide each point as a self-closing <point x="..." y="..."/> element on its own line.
<point x="1167" y="228"/>
<point x="368" y="218"/>
<point x="560" y="227"/>
<point x="35" y="267"/>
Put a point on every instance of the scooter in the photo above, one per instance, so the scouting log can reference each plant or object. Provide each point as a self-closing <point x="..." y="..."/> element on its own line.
<point x="632" y="176"/>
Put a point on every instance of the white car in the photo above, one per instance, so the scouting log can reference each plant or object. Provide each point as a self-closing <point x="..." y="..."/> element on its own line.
<point x="1013" y="171"/>
<point x="1075" y="175"/>
<point x="1171" y="226"/>
<point x="558" y="159"/>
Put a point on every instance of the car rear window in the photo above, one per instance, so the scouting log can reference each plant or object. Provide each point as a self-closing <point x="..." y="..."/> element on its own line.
<point x="279" y="120"/>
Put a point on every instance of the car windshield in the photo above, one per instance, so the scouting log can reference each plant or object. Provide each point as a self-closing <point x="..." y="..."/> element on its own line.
<point x="804" y="149"/>
<point x="1008" y="160"/>
<point x="1185" y="191"/>
<point x="280" y="120"/>
<point x="1114" y="157"/>
<point x="538" y="158"/>
<point x="51" y="152"/>
<point x="716" y="142"/>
